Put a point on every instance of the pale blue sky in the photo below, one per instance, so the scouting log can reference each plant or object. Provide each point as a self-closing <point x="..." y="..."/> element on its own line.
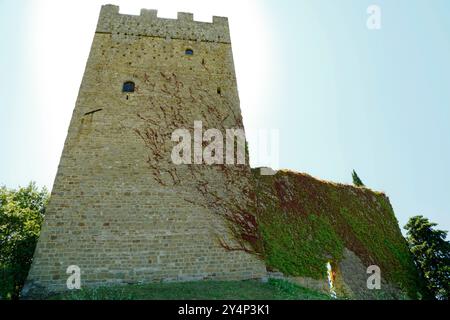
<point x="342" y="96"/>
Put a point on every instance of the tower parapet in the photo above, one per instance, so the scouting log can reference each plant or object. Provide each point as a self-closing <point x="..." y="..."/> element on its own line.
<point x="149" y="24"/>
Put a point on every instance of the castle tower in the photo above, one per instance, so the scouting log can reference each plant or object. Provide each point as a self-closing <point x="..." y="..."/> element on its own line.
<point x="120" y="209"/>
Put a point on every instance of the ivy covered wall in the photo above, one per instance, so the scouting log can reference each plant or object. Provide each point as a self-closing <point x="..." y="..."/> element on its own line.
<point x="305" y="223"/>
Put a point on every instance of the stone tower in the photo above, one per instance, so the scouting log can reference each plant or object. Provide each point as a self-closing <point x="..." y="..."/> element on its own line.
<point x="120" y="209"/>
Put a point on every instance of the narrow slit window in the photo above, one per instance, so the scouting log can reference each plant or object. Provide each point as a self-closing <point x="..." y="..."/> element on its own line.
<point x="189" y="52"/>
<point x="128" y="86"/>
<point x="219" y="91"/>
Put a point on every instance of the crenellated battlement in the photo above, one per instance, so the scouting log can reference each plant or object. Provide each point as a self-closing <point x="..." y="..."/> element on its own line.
<point x="149" y="24"/>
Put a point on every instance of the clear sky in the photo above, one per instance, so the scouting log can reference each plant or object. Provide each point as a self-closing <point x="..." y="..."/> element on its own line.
<point x="342" y="96"/>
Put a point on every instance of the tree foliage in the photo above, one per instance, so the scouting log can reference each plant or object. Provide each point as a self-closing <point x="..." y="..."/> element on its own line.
<point x="21" y="216"/>
<point x="432" y="254"/>
<point x="356" y="180"/>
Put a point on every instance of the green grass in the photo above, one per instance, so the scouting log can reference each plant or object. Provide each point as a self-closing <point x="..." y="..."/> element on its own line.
<point x="274" y="289"/>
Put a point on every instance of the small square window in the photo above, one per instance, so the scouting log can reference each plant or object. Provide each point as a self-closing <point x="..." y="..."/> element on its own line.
<point x="128" y="86"/>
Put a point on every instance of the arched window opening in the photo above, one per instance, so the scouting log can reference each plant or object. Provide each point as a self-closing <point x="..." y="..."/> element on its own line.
<point x="128" y="86"/>
<point x="189" y="52"/>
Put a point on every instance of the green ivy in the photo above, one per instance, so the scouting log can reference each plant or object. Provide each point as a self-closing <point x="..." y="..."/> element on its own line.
<point x="309" y="222"/>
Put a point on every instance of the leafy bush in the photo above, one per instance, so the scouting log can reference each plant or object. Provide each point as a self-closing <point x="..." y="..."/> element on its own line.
<point x="431" y="254"/>
<point x="21" y="216"/>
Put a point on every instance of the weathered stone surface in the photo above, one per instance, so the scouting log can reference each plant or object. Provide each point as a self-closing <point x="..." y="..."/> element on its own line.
<point x="351" y="280"/>
<point x="319" y="285"/>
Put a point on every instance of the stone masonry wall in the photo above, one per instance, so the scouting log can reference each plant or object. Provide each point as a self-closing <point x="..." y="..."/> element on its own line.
<point x="120" y="209"/>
